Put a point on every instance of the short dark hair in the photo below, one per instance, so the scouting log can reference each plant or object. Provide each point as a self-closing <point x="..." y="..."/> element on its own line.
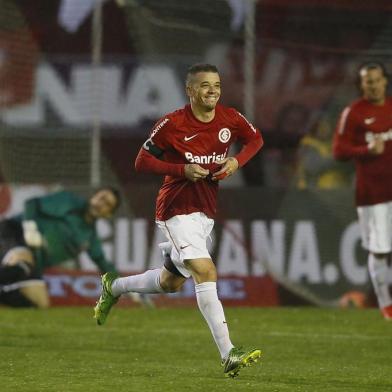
<point x="114" y="191"/>
<point x="200" y="67"/>
<point x="370" y="65"/>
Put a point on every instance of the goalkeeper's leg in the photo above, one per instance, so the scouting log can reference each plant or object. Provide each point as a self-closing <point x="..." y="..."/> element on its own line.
<point x="26" y="293"/>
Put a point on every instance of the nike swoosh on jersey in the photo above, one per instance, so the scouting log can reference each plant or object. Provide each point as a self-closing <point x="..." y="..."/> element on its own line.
<point x="187" y="138"/>
<point x="184" y="246"/>
<point x="369" y="120"/>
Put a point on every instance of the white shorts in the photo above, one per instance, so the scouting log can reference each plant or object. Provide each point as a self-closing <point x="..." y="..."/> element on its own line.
<point x="376" y="227"/>
<point x="188" y="235"/>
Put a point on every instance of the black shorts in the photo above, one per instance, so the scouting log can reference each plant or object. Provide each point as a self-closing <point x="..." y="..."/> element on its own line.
<point x="11" y="235"/>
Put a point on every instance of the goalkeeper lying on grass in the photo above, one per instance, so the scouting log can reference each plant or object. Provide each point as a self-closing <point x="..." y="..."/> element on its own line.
<point x="52" y="229"/>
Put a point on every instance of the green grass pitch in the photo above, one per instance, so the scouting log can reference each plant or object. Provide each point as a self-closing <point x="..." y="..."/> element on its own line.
<point x="304" y="349"/>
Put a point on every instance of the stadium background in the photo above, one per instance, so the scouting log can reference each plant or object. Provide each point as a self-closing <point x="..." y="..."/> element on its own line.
<point x="80" y="88"/>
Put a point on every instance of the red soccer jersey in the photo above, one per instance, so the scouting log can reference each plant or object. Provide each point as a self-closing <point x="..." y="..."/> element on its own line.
<point x="357" y="126"/>
<point x="184" y="139"/>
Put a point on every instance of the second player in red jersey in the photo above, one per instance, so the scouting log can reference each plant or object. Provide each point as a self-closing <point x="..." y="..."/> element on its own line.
<point x="362" y="127"/>
<point x="364" y="134"/>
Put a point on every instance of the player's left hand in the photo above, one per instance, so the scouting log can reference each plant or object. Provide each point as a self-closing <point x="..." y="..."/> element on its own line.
<point x="229" y="167"/>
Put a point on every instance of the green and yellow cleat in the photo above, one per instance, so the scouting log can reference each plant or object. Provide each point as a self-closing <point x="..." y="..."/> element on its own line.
<point x="237" y="359"/>
<point x="107" y="299"/>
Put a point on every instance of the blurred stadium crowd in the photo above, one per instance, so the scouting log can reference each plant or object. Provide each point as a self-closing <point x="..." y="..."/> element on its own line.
<point x="305" y="54"/>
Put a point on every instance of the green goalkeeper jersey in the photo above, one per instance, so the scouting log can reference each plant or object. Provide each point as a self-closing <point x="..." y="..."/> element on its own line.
<point x="61" y="219"/>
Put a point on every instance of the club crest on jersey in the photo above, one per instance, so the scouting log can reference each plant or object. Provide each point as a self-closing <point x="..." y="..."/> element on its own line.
<point x="224" y="135"/>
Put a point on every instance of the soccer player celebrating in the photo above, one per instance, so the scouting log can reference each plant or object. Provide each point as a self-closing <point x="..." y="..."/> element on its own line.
<point x="190" y="147"/>
<point x="364" y="134"/>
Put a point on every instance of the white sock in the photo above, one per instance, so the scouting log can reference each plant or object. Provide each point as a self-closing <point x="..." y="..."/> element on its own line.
<point x="148" y="282"/>
<point x="212" y="310"/>
<point x="378" y="269"/>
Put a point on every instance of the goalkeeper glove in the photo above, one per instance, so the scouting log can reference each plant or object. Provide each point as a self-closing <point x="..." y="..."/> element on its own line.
<point x="31" y="234"/>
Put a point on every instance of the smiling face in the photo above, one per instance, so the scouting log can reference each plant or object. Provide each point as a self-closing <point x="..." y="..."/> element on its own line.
<point x="102" y="204"/>
<point x="204" y="90"/>
<point x="373" y="85"/>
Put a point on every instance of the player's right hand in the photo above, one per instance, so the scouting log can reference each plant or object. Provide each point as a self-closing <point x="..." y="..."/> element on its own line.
<point x="194" y="172"/>
<point x="31" y="234"/>
<point x="376" y="146"/>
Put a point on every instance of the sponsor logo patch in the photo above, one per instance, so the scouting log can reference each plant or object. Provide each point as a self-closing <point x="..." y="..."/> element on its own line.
<point x="214" y="157"/>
